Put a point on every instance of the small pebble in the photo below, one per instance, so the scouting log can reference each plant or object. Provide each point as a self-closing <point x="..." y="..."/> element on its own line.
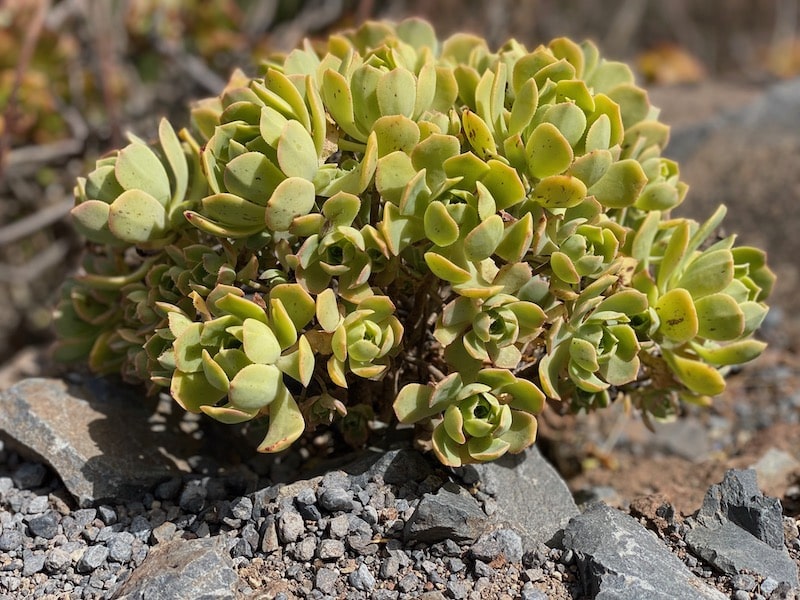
<point x="29" y="475"/>
<point x="362" y="579"/>
<point x="93" y="557"/>
<point x="768" y="586"/>
<point x="744" y="582"/>
<point x="330" y="549"/>
<point x="45" y="525"/>
<point x="57" y="561"/>
<point x="241" y="508"/>
<point x="325" y="580"/>
<point x="336" y="499"/>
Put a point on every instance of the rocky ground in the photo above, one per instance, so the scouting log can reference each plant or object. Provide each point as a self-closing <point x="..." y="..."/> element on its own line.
<point x="108" y="519"/>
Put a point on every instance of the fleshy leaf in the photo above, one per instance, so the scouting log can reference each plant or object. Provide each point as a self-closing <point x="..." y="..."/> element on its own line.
<point x="286" y="423"/>
<point x="695" y="375"/>
<point x="260" y="343"/>
<point x="137" y="217"/>
<point x="292" y="198"/>
<point x="548" y="151"/>
<point x="255" y="387"/>
<point x="678" y="316"/>
<point x="138" y="168"/>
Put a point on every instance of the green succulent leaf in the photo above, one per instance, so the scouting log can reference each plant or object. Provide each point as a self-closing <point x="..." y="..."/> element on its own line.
<point x="412" y="403"/>
<point x="440" y="227"/>
<point x="297" y="155"/>
<point x="252" y="176"/>
<point x="735" y="353"/>
<point x="214" y="373"/>
<point x="255" y="387"/>
<point x="559" y="191"/>
<point x="297" y="302"/>
<point x="481" y="242"/>
<point x="137" y="217"/>
<point x="139" y="168"/>
<point x="696" y="375"/>
<point x="709" y="273"/>
<point x="548" y="151"/>
<point x="193" y="390"/>
<point x="397" y="91"/>
<point x="621" y="185"/>
<point x="678" y="316"/>
<point x="286" y="423"/>
<point x="259" y="343"/>
<point x="294" y="197"/>
<point x="719" y="317"/>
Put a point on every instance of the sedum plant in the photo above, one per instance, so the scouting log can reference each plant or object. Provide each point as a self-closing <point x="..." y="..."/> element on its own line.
<point x="390" y="228"/>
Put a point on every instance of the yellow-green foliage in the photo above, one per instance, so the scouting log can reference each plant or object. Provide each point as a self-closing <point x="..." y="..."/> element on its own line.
<point x="484" y="229"/>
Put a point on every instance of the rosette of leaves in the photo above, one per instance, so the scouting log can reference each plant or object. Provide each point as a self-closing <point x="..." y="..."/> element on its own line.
<point x="493" y="331"/>
<point x="705" y="303"/>
<point x="334" y="249"/>
<point x="596" y="346"/>
<point x="137" y="195"/>
<point x="477" y="421"/>
<point x="176" y="280"/>
<point x="231" y="364"/>
<point x="363" y="341"/>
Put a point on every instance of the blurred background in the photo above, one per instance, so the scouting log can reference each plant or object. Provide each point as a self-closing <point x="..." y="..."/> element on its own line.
<point x="75" y="75"/>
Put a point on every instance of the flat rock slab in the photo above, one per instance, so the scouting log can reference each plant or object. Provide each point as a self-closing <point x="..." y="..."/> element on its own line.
<point x="739" y="500"/>
<point x="619" y="559"/>
<point x="183" y="570"/>
<point x="732" y="550"/>
<point x="531" y="496"/>
<point x="98" y="441"/>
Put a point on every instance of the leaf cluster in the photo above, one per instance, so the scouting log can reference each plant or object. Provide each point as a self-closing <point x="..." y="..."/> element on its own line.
<point x="482" y="230"/>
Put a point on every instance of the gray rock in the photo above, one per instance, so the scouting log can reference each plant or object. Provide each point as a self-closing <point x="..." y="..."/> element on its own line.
<point x="242" y="508"/>
<point x="336" y="499"/>
<point x="290" y="526"/>
<point x="396" y="467"/>
<point x="193" y="496"/>
<point x="28" y="475"/>
<point x="618" y="559"/>
<point x="305" y="549"/>
<point x="93" y="557"/>
<point x="531" y="496"/>
<point x="325" y="580"/>
<point x="330" y="549"/>
<point x="45" y="525"/>
<point x="390" y="566"/>
<point x="739" y="500"/>
<point x="732" y="550"/>
<point x="339" y="526"/>
<point x="57" y="561"/>
<point x="11" y="539"/>
<point x="73" y="431"/>
<point x="32" y="563"/>
<point x="452" y="513"/>
<point x="120" y="546"/>
<point x="501" y="541"/>
<point x="362" y="579"/>
<point x="183" y="570"/>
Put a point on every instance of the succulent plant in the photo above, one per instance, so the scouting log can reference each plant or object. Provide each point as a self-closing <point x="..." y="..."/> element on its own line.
<point x="479" y="230"/>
